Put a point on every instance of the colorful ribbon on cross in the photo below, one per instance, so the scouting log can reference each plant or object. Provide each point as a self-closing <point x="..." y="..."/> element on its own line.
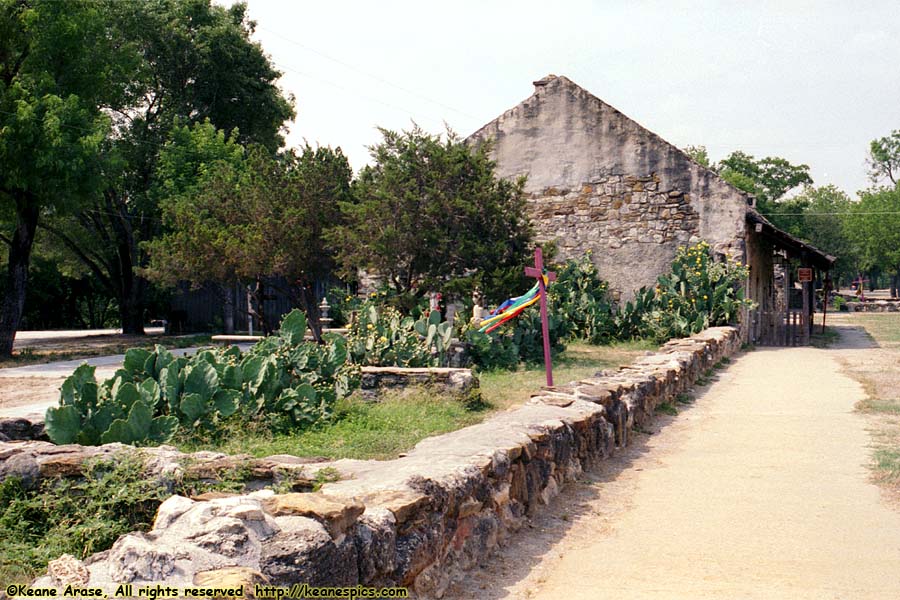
<point x="512" y="308"/>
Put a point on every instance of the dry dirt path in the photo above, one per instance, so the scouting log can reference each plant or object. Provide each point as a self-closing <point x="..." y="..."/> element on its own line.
<point x="759" y="490"/>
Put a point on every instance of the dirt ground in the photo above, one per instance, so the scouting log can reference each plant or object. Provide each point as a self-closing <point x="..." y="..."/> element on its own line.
<point x="761" y="489"/>
<point x="41" y="347"/>
<point x="45" y="358"/>
<point x="22" y="391"/>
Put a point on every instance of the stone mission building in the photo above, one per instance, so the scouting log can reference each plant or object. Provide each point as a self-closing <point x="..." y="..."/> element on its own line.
<point x="598" y="181"/>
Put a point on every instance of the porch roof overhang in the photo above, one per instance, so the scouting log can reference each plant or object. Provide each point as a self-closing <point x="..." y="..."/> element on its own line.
<point x="795" y="247"/>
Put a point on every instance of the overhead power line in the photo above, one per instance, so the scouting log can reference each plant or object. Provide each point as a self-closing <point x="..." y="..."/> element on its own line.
<point x="836" y="214"/>
<point x="407" y="111"/>
<point x="367" y="74"/>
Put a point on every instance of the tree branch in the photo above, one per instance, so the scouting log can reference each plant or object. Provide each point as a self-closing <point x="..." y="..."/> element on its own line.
<point x="82" y="255"/>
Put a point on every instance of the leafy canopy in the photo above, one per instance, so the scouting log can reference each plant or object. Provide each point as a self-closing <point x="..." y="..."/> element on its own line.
<point x="431" y="215"/>
<point x="819" y="216"/>
<point x="768" y="179"/>
<point x="236" y="214"/>
<point x="884" y="158"/>
<point x="189" y="61"/>
<point x="51" y="93"/>
<point x="874" y="225"/>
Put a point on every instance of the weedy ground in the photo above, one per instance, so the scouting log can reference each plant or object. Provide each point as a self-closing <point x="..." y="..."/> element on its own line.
<point x="878" y="369"/>
<point x="398" y="421"/>
<point x="86" y="516"/>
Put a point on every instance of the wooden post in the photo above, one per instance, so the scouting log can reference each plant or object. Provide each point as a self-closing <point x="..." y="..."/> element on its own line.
<point x="805" y="314"/>
<point x="826" y="288"/>
<point x="787" y="303"/>
<point x="538" y="272"/>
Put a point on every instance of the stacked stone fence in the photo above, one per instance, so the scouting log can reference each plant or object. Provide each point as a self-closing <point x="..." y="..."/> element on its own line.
<point x="874" y="306"/>
<point x="418" y="521"/>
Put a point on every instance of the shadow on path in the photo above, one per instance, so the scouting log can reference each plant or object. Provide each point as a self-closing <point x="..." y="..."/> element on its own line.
<point x="578" y="501"/>
<point x="852" y="337"/>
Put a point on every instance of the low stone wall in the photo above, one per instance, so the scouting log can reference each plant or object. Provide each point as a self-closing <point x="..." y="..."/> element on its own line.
<point x="33" y="461"/>
<point x="420" y="520"/>
<point x="874" y="306"/>
<point x="21" y="429"/>
<point x="456" y="382"/>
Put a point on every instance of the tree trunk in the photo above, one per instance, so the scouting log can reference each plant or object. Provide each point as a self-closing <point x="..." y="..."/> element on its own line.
<point x="228" y="307"/>
<point x="895" y="283"/>
<point x="131" y="305"/>
<point x="257" y="297"/>
<point x="306" y="297"/>
<point x="132" y="287"/>
<point x="13" y="303"/>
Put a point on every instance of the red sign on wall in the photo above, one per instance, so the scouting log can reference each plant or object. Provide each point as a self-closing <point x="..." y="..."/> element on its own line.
<point x="804" y="274"/>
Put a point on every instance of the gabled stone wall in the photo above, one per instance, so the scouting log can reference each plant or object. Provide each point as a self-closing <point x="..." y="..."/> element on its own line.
<point x="417" y="521"/>
<point x="598" y="180"/>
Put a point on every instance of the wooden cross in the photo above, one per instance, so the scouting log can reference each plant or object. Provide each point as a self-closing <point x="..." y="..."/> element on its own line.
<point x="538" y="271"/>
<point x="860" y="287"/>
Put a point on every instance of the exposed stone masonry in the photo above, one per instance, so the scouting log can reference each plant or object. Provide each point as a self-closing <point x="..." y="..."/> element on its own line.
<point x="874" y="306"/>
<point x="612" y="212"/>
<point x="598" y="180"/>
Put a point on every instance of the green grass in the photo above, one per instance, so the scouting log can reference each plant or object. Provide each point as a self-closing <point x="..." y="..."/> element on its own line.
<point x="360" y="429"/>
<point x="396" y="423"/>
<point x="887" y="464"/>
<point x="818" y="339"/>
<point x="667" y="408"/>
<point x="684" y="399"/>
<point x="872" y="405"/>
<point x="880" y="375"/>
<point x="883" y="327"/>
<point x="503" y="389"/>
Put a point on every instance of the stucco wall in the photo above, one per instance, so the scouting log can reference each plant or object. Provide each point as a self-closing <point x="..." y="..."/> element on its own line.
<point x="585" y="160"/>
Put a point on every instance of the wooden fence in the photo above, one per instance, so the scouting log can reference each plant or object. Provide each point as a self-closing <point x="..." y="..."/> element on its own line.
<point x="781" y="329"/>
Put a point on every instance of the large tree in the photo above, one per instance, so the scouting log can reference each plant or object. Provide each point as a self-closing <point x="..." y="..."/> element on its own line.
<point x="874" y="225"/>
<point x="249" y="218"/>
<point x="884" y="158"/>
<point x="193" y="61"/>
<point x="768" y="179"/>
<point x="61" y="64"/>
<point x="430" y="215"/>
<point x="820" y="216"/>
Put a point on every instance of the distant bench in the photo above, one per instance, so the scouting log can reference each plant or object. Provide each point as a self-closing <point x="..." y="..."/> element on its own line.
<point x="249" y="339"/>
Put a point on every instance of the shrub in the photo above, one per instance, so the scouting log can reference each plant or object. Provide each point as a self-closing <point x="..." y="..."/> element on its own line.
<point x="840" y="303"/>
<point x="492" y="352"/>
<point x="629" y="319"/>
<point x="580" y="300"/>
<point x="382" y="336"/>
<point x="520" y="340"/>
<point x="697" y="294"/>
<point x="290" y="381"/>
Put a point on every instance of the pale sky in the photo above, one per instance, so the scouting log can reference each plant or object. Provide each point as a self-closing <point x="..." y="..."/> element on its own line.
<point x="813" y="82"/>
